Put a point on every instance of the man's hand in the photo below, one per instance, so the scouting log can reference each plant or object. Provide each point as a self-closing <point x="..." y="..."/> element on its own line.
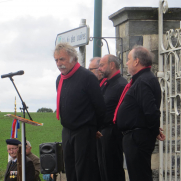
<point x="98" y="134"/>
<point x="161" y="136"/>
<point x="51" y="176"/>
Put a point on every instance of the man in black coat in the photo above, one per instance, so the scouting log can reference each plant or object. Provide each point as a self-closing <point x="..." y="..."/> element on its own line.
<point x="110" y="155"/>
<point x="81" y="108"/>
<point x="138" y="115"/>
<point x="11" y="171"/>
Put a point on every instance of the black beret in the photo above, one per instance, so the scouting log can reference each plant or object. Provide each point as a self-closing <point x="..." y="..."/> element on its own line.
<point x="13" y="142"/>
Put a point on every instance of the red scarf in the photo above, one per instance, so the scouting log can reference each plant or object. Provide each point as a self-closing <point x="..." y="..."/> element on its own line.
<point x="122" y="96"/>
<point x="104" y="79"/>
<point x="121" y="100"/>
<point x="63" y="77"/>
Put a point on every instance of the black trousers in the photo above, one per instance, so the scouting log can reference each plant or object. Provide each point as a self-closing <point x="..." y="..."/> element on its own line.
<point x="79" y="150"/>
<point x="138" y="146"/>
<point x="111" y="154"/>
<point x="101" y="173"/>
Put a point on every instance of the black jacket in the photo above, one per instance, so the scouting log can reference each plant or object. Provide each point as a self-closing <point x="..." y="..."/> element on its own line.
<point x="141" y="104"/>
<point x="81" y="101"/>
<point x="112" y="90"/>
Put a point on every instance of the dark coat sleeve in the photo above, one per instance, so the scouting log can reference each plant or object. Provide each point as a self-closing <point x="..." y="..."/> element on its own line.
<point x="150" y="98"/>
<point x="30" y="170"/>
<point x="57" y="81"/>
<point x="8" y="165"/>
<point x="36" y="163"/>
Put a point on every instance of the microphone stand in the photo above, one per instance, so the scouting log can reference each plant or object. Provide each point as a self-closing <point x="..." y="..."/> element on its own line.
<point x="23" y="134"/>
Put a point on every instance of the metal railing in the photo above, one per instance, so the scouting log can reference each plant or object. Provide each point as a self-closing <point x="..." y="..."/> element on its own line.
<point x="169" y="75"/>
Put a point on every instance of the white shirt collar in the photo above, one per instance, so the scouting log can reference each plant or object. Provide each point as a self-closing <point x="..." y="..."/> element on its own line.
<point x="14" y="160"/>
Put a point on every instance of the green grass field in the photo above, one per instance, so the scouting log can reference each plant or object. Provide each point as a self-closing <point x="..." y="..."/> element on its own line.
<point x="49" y="132"/>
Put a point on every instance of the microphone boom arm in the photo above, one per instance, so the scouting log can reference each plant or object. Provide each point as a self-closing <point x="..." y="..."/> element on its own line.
<point x="23" y="103"/>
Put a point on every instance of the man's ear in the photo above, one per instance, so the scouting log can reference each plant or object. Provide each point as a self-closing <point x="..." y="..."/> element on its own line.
<point x="112" y="65"/>
<point x="136" y="62"/>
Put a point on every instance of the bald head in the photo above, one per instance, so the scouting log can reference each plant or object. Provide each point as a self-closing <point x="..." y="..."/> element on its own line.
<point x="109" y="64"/>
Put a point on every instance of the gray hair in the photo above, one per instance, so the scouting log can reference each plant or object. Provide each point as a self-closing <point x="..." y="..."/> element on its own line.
<point x="28" y="143"/>
<point x="113" y="58"/>
<point x="98" y="60"/>
<point x="145" y="56"/>
<point x="69" y="49"/>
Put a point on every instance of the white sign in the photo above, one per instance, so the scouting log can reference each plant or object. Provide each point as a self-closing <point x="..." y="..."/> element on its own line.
<point x="75" y="37"/>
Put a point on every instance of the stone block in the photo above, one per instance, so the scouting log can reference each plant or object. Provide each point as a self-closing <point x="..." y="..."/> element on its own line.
<point x="125" y="58"/>
<point x="143" y="27"/>
<point x="123" y="29"/>
<point x="155" y="60"/>
<point x="150" y="42"/>
<point x="150" y="27"/>
<point x="63" y="177"/>
<point x="155" y="161"/>
<point x="135" y="40"/>
<point x="130" y="41"/>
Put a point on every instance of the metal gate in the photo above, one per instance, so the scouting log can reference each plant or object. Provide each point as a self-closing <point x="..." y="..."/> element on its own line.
<point x="170" y="80"/>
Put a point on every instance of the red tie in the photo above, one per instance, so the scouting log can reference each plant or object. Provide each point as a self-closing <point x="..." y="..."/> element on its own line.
<point x="63" y="77"/>
<point x="104" y="79"/>
<point x="122" y="96"/>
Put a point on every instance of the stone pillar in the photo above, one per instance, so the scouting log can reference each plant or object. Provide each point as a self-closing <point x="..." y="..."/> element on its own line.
<point x="139" y="26"/>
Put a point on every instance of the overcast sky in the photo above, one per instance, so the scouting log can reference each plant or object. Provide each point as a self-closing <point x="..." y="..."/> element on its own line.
<point x="28" y="29"/>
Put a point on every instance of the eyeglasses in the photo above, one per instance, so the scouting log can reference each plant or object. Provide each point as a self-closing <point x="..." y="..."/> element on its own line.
<point x="93" y="68"/>
<point x="12" y="149"/>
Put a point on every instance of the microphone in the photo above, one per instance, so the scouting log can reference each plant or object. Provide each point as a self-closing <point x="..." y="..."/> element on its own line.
<point x="21" y="72"/>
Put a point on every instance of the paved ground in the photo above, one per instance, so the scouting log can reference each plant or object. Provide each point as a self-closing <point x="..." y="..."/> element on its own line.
<point x="61" y="177"/>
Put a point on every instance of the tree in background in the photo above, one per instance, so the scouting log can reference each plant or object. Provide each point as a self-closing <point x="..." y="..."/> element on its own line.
<point x="44" y="109"/>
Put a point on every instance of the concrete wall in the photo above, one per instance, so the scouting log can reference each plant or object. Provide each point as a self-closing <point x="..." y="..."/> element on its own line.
<point x="139" y="26"/>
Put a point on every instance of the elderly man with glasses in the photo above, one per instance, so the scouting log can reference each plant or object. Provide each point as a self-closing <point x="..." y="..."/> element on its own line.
<point x="11" y="171"/>
<point x="94" y="67"/>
